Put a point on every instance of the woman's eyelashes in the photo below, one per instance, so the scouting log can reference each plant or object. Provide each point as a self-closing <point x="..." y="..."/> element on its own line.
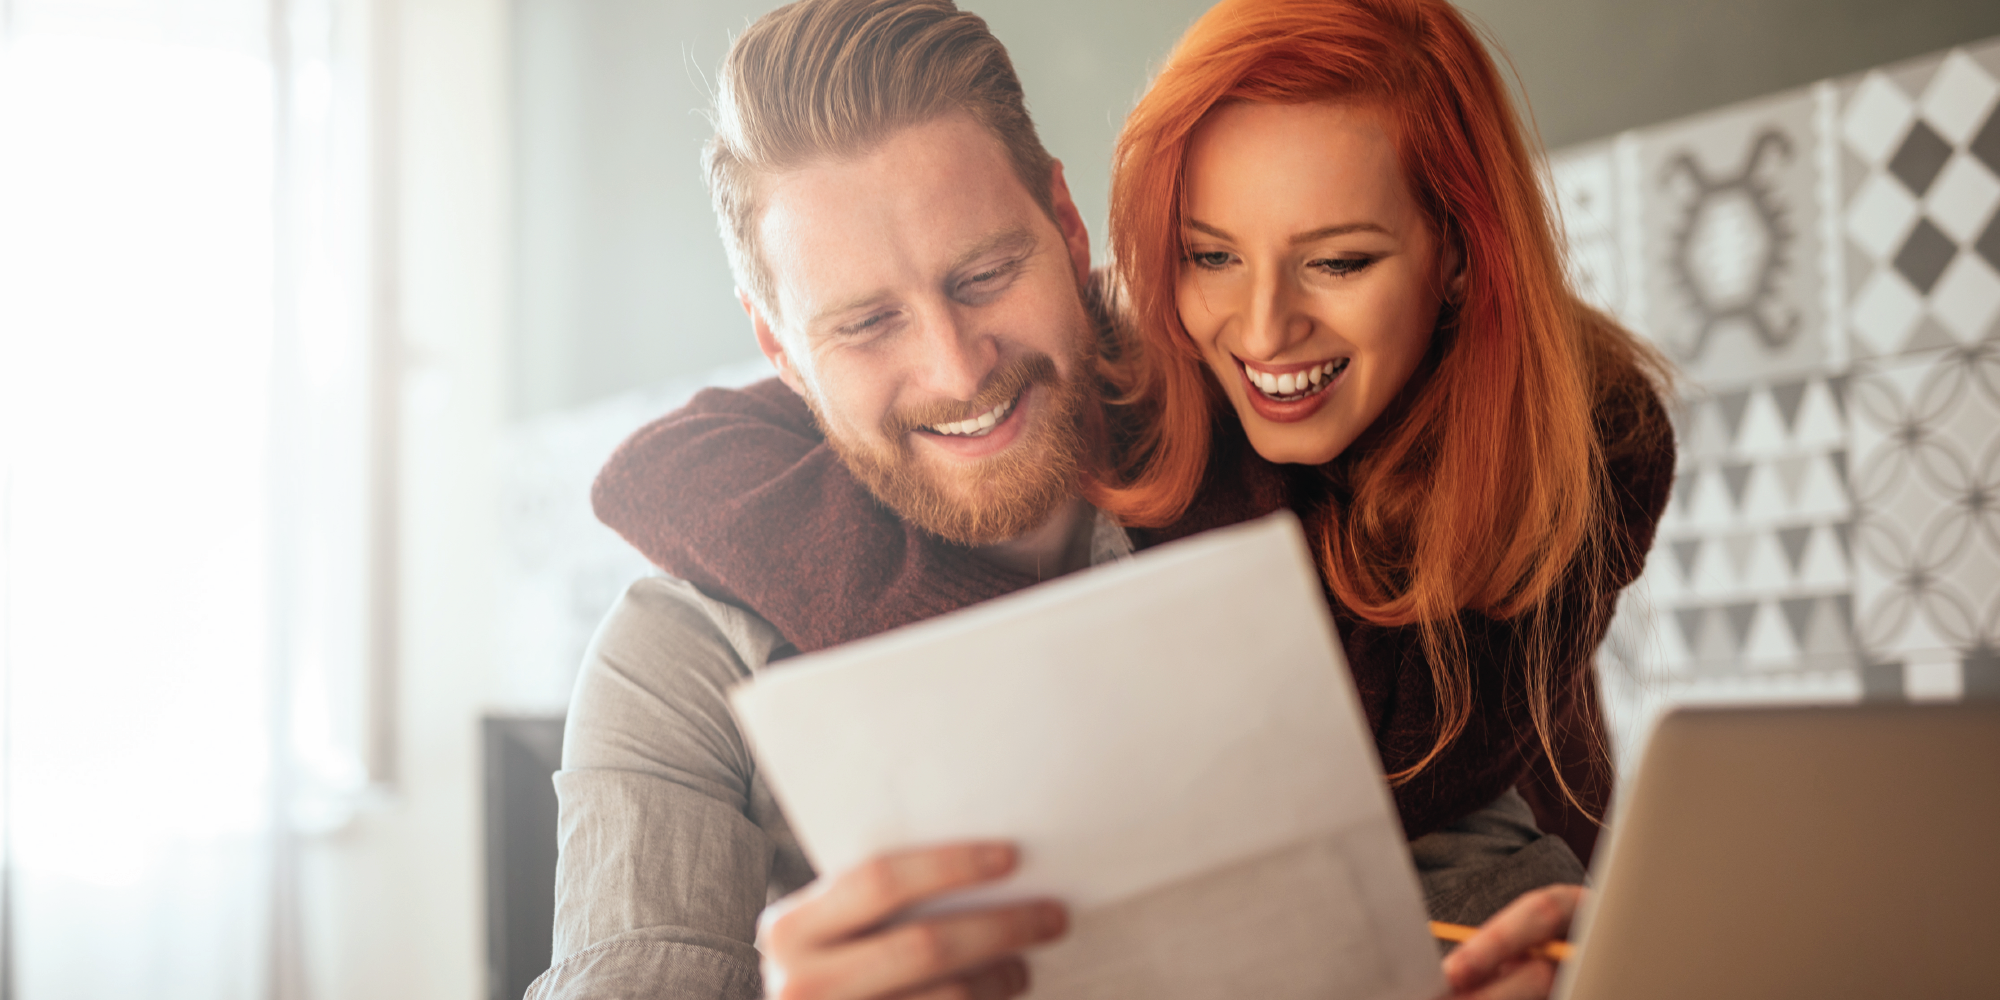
<point x="1341" y="267"/>
<point x="1338" y="267"/>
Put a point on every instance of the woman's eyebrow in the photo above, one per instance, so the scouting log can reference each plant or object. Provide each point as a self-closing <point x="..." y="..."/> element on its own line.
<point x="1317" y="234"/>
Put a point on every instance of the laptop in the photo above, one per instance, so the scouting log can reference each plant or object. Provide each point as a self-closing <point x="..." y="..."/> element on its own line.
<point x="1821" y="852"/>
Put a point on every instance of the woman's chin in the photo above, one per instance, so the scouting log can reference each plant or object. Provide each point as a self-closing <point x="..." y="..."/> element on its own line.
<point x="1306" y="442"/>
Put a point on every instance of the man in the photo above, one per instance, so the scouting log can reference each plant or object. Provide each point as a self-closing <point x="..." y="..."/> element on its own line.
<point x="913" y="267"/>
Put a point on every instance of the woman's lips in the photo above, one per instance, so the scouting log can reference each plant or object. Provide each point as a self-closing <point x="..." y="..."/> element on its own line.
<point x="1295" y="393"/>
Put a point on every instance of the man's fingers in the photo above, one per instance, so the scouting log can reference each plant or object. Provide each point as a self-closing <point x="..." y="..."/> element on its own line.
<point x="928" y="951"/>
<point x="1537" y="917"/>
<point x="1529" y="980"/>
<point x="1005" y="978"/>
<point x="868" y="894"/>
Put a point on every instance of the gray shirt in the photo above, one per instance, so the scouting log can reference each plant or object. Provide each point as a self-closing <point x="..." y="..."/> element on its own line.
<point x="671" y="843"/>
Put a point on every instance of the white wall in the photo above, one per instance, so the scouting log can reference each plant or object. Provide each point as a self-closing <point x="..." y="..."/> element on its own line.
<point x="394" y="901"/>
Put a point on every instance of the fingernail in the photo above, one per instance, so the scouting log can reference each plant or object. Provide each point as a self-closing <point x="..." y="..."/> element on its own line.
<point x="994" y="859"/>
<point x="1050" y="920"/>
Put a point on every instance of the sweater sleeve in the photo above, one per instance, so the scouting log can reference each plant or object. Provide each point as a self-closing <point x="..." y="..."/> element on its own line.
<point x="738" y="493"/>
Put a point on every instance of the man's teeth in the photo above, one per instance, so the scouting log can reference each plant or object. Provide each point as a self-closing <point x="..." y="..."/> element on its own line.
<point x="1295" y="383"/>
<point x="974" y="426"/>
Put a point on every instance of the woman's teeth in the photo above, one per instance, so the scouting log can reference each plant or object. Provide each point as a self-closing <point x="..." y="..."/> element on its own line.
<point x="1295" y="384"/>
<point x="974" y="426"/>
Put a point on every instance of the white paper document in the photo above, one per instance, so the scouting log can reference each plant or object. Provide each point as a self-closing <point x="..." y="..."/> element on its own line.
<point x="1174" y="743"/>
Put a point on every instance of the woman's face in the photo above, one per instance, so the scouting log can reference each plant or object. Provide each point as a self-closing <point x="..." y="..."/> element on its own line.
<point x="1311" y="276"/>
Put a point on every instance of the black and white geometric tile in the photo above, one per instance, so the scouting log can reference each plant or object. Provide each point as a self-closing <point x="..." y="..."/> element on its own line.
<point x="1823" y="266"/>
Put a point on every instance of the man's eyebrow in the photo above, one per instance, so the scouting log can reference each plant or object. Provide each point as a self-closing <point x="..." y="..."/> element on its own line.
<point x="1318" y="234"/>
<point x="1020" y="238"/>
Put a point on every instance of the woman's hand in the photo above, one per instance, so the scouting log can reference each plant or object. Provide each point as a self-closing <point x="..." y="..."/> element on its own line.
<point x="1496" y="963"/>
<point x="828" y="940"/>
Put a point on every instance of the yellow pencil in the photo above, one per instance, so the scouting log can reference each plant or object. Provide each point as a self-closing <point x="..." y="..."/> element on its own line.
<point x="1554" y="951"/>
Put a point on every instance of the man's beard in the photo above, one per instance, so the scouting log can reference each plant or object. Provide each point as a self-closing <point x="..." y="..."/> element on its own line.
<point x="993" y="499"/>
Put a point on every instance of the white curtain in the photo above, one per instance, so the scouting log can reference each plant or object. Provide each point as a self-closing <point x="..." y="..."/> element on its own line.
<point x="183" y="500"/>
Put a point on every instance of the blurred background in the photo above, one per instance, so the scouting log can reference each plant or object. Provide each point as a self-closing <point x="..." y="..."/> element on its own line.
<point x="317" y="316"/>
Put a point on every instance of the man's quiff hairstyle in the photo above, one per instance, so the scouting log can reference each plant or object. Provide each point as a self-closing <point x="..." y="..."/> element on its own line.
<point x="825" y="80"/>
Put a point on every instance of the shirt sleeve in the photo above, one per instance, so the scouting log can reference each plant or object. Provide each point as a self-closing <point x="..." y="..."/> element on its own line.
<point x="663" y="868"/>
<point x="739" y="493"/>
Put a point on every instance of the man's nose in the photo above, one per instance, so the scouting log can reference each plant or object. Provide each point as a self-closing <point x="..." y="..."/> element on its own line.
<point x="1273" y="320"/>
<point x="955" y="357"/>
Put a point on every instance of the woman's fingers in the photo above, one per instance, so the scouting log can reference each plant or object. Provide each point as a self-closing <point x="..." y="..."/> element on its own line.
<point x="870" y="893"/>
<point x="927" y="951"/>
<point x="1529" y="980"/>
<point x="1537" y="917"/>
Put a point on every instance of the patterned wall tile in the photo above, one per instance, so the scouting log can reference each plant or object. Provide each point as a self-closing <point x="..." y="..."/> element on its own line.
<point x="1824" y="266"/>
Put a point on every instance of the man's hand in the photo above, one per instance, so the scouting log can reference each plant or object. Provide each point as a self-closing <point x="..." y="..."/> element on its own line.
<point x="827" y="941"/>
<point x="1495" y="963"/>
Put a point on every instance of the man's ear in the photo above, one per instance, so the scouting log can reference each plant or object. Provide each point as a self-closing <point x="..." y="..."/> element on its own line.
<point x="768" y="343"/>
<point x="1070" y="221"/>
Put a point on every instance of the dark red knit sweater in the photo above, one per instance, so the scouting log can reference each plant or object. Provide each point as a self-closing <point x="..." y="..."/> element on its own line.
<point x="738" y="493"/>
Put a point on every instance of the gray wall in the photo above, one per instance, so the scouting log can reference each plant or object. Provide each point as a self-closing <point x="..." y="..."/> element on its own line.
<point x="621" y="281"/>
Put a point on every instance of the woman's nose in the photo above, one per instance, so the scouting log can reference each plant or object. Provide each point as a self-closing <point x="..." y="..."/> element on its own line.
<point x="1274" y="322"/>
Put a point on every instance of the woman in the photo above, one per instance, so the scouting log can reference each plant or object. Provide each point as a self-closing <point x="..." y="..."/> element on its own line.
<point x="1336" y="257"/>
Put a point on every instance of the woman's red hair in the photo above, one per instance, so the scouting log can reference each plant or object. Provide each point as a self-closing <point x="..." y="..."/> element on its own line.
<point x="1481" y="489"/>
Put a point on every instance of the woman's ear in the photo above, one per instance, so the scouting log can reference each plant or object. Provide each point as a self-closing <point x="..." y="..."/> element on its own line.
<point x="1451" y="270"/>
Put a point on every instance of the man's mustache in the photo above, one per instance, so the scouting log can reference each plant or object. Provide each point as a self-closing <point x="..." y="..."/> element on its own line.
<point x="1004" y="384"/>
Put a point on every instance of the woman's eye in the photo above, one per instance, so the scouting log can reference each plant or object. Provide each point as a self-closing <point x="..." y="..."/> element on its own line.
<point x="1212" y="260"/>
<point x="1340" y="267"/>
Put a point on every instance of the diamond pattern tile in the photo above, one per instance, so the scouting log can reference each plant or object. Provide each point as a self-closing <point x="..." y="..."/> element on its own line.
<point x="1958" y="97"/>
<point x="1875" y="118"/>
<point x="1967" y="298"/>
<point x="1885" y="311"/>
<point x="1880" y="215"/>
<point x="1917" y="161"/>
<point x="1986" y="145"/>
<point x="1962" y="198"/>
<point x="1989" y="242"/>
<point x="1925" y="255"/>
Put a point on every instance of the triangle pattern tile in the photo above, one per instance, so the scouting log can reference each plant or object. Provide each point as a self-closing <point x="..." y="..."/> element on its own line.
<point x="1794" y="540"/>
<point x="1798" y="612"/>
<point x="1715" y="647"/>
<point x="1766" y="571"/>
<point x="1827" y="631"/>
<point x="1685" y="551"/>
<point x="1985" y="145"/>
<point x="1738" y="546"/>
<point x="1730" y="406"/>
<point x="1824" y="492"/>
<point x="1837" y="385"/>
<point x="1769" y="640"/>
<point x="1787" y="396"/>
<point x="1711" y="432"/>
<point x="1764" y="499"/>
<point x="1820" y="424"/>
<point x="1763" y="430"/>
<point x="1791" y="474"/>
<point x="1737" y="476"/>
<point x="1739" y="615"/>
<point x="1684" y="487"/>
<point x="1690" y="620"/>
<point x="1821" y="561"/>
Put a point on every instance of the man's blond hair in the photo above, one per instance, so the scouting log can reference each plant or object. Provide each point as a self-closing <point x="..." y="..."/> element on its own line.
<point x="831" y="79"/>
